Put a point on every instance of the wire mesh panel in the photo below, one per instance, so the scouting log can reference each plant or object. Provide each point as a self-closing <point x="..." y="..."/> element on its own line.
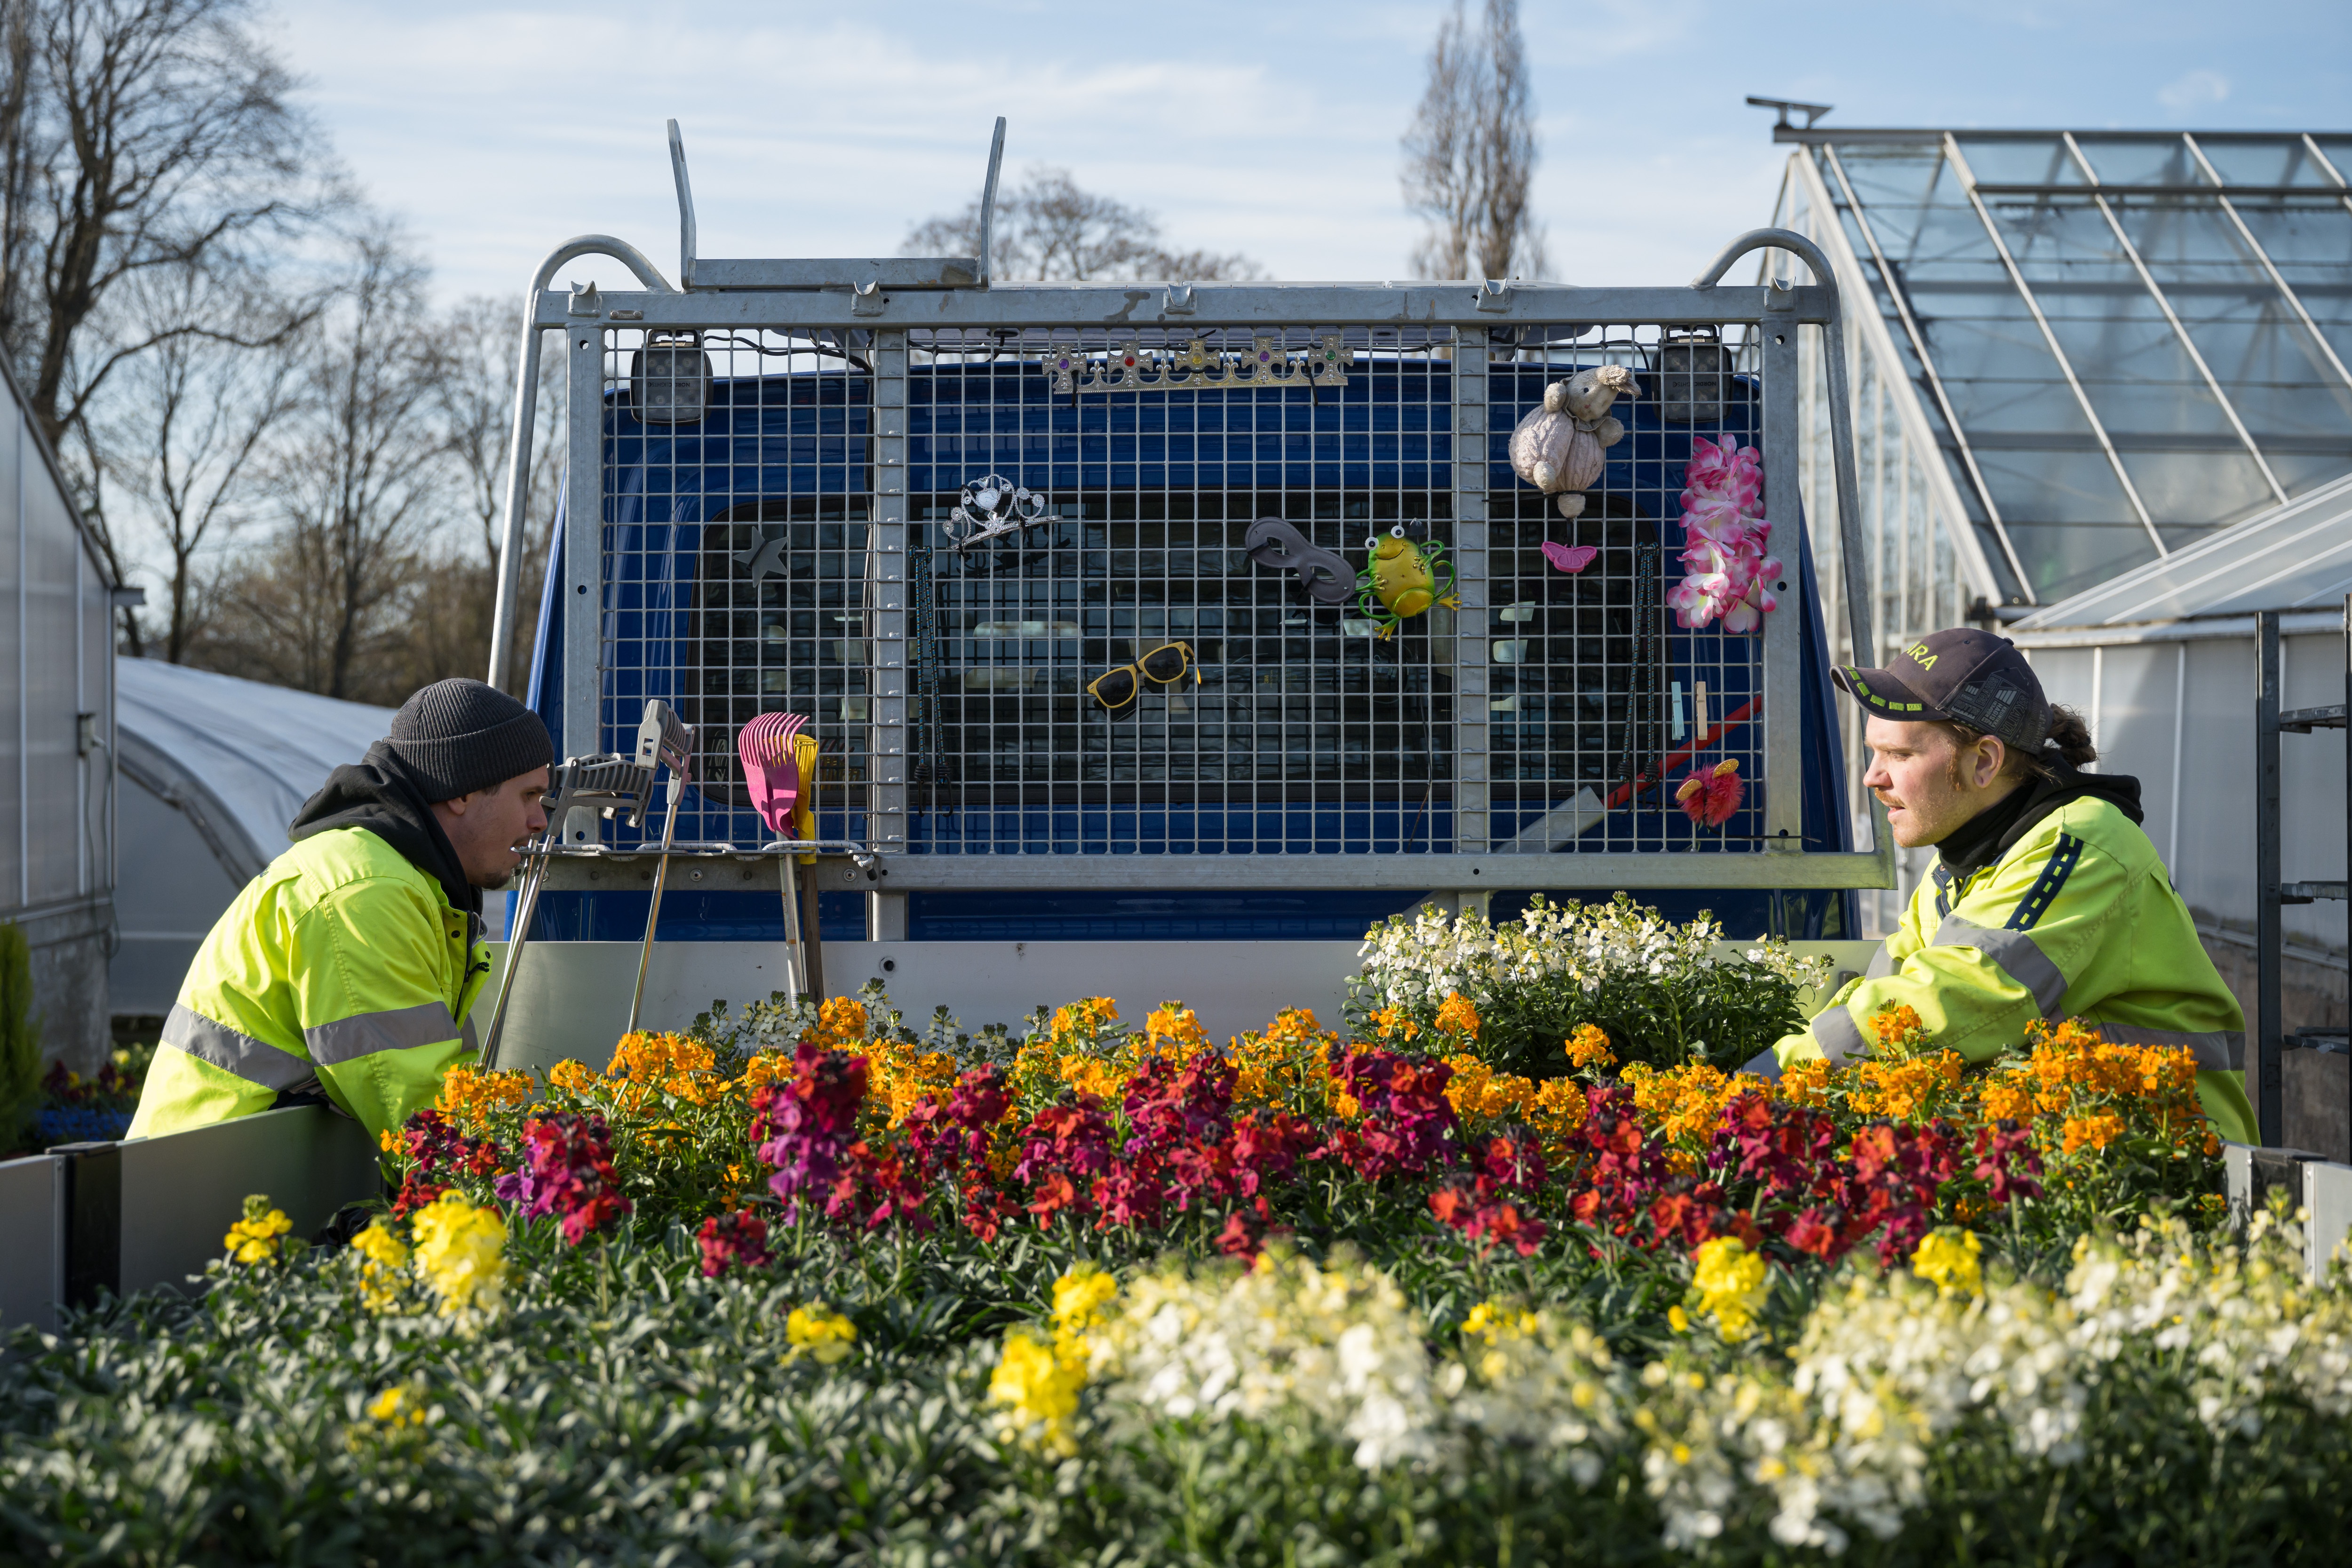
<point x="1266" y="588"/>
<point x="1129" y="663"/>
<point x="1601" y="703"/>
<point x="737" y="491"/>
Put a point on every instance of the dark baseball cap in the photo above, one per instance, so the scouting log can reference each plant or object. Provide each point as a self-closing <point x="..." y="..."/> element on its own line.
<point x="1962" y="677"/>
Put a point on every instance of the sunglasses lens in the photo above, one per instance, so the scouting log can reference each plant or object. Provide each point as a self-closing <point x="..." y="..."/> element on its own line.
<point x="1164" y="664"/>
<point x="1115" y="690"/>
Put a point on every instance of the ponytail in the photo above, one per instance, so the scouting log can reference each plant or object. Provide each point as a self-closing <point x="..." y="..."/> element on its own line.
<point x="2071" y="738"/>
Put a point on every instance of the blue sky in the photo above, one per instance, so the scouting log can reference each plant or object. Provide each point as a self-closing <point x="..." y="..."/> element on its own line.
<point x="495" y="133"/>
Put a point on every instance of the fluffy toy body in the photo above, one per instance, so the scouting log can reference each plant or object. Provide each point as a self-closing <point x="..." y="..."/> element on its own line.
<point x="1557" y="448"/>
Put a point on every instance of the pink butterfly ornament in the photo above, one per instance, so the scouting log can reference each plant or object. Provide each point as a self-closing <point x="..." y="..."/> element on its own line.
<point x="1569" y="558"/>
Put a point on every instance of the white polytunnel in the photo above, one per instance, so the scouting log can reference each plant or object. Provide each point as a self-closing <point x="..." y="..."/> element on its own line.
<point x="213" y="769"/>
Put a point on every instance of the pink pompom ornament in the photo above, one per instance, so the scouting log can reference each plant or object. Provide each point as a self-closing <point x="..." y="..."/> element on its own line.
<point x="1709" y="796"/>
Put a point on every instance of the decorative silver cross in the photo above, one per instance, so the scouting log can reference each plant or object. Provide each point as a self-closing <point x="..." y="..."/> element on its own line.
<point x="989" y="508"/>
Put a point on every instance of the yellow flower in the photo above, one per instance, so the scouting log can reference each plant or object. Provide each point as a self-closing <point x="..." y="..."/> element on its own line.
<point x="1495" y="1321"/>
<point x="1086" y="1018"/>
<point x="1678" y="1320"/>
<point x="1080" y="1296"/>
<point x="382" y="1261"/>
<point x="396" y="1407"/>
<point x="1589" y="1047"/>
<point x="1732" y="1283"/>
<point x="1039" y="1383"/>
<point x="819" y="1332"/>
<point x="1175" y="1030"/>
<point x="254" y="1238"/>
<point x="1948" y="1258"/>
<point x="1458" y="1018"/>
<point x="460" y="1252"/>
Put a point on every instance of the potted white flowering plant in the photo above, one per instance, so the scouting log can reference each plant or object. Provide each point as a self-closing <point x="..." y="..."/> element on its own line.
<point x="1662" y="992"/>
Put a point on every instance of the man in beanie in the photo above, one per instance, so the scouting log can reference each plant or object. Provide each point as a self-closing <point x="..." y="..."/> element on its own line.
<point x="2046" y="901"/>
<point x="348" y="967"/>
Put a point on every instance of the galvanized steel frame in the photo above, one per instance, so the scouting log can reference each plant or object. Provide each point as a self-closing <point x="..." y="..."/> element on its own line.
<point x="583" y="316"/>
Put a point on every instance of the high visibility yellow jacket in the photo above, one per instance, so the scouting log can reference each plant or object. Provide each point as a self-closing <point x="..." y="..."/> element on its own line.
<point x="2077" y="920"/>
<point x="341" y="961"/>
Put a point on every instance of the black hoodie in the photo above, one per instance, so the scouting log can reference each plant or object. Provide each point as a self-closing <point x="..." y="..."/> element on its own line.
<point x="1984" y="837"/>
<point x="385" y="796"/>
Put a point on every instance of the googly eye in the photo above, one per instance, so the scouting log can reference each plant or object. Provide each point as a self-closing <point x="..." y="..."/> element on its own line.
<point x="1373" y="541"/>
<point x="1397" y="532"/>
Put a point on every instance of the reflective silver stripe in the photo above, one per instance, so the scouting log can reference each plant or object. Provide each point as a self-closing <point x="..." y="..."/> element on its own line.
<point x="398" y="1029"/>
<point x="217" y="1045"/>
<point x="1764" y="1064"/>
<point x="2018" y="954"/>
<point x="473" y="1041"/>
<point x="1881" y="965"/>
<point x="1840" y="1035"/>
<point x="2219" y="1050"/>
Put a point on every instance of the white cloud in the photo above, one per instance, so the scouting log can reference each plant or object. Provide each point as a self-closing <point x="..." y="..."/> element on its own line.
<point x="2193" y="90"/>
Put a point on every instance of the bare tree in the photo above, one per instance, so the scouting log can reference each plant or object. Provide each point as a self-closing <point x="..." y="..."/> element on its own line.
<point x="184" y="432"/>
<point x="1049" y="229"/>
<point x="476" y="402"/>
<point x="360" y="487"/>
<point x="137" y="138"/>
<point x="1471" y="153"/>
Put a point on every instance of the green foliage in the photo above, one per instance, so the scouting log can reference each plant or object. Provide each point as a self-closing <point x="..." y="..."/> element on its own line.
<point x="1662" y="992"/>
<point x="20" y="1035"/>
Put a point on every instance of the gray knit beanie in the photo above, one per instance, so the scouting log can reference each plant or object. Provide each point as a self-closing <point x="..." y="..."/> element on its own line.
<point x="459" y="736"/>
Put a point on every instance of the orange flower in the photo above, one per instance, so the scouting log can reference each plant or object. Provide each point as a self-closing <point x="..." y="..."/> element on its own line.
<point x="572" y="1078"/>
<point x="1905" y="1088"/>
<point x="2098" y="1131"/>
<point x="1589" y="1047"/>
<point x="1899" y="1031"/>
<point x="1391" y="1022"/>
<point x="469" y="1095"/>
<point x="1476" y="1089"/>
<point x="1458" y="1018"/>
<point x="2008" y="1102"/>
<point x="1806" y="1082"/>
<point x="841" y="1023"/>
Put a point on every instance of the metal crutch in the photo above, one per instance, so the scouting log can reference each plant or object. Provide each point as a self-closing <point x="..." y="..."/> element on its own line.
<point x="663" y="739"/>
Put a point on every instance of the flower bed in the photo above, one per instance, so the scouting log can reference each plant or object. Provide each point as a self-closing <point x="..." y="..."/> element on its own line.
<point x="823" y="1286"/>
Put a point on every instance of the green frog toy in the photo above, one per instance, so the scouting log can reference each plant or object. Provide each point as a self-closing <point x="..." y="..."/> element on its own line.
<point x="1402" y="579"/>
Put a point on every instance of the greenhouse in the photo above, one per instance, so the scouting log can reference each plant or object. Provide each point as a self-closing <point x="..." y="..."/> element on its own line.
<point x="2083" y="350"/>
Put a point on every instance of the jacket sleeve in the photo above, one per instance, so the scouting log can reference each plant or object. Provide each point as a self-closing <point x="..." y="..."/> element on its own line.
<point x="2003" y="957"/>
<point x="368" y="977"/>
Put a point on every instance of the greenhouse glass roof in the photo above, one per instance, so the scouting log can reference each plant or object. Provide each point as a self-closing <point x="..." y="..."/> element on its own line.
<point x="2120" y="341"/>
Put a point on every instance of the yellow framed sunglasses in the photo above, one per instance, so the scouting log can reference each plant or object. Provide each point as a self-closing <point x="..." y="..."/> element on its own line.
<point x="1163" y="666"/>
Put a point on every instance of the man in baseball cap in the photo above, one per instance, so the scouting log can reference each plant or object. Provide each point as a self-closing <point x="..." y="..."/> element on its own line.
<point x="346" y="970"/>
<point x="2046" y="900"/>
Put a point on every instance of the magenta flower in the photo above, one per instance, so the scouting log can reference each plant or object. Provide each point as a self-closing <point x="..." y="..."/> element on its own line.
<point x="567" y="1171"/>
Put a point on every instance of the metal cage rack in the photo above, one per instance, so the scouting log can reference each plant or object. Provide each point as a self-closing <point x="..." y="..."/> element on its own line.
<point x="932" y="518"/>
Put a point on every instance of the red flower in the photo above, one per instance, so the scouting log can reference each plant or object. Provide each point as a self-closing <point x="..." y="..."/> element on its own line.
<point x="733" y="1240"/>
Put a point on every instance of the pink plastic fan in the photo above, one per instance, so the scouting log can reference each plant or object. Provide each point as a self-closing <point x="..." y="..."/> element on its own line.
<point x="771" y="767"/>
<point x="1570" y="558"/>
